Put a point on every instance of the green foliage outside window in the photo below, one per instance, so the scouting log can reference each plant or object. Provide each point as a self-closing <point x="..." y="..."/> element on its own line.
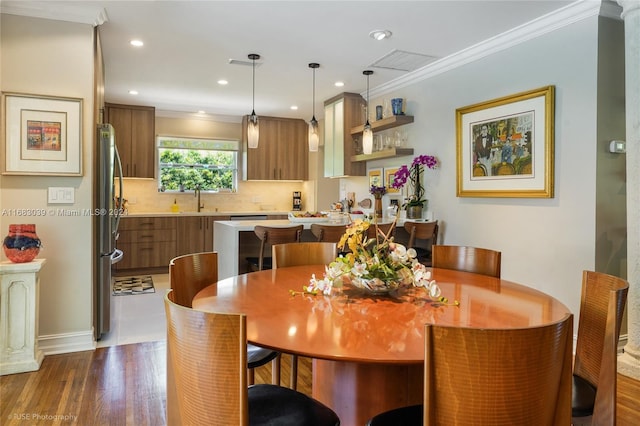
<point x="185" y="169"/>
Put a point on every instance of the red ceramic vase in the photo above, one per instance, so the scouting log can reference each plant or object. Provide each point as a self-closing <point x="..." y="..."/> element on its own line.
<point x="22" y="244"/>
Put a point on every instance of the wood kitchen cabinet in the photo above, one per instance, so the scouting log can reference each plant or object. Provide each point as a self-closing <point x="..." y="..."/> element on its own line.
<point x="147" y="242"/>
<point x="195" y="233"/>
<point x="282" y="152"/>
<point x="135" y="138"/>
<point x="341" y="114"/>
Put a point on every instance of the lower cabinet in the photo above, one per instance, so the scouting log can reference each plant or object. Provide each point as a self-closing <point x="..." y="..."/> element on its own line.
<point x="195" y="233"/>
<point x="147" y="242"/>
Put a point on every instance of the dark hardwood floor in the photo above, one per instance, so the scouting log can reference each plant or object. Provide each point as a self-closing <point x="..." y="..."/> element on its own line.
<point x="117" y="385"/>
<point x="125" y="385"/>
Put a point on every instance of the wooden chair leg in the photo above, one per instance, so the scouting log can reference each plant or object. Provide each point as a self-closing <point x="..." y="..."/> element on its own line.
<point x="251" y="376"/>
<point x="294" y="372"/>
<point x="275" y="370"/>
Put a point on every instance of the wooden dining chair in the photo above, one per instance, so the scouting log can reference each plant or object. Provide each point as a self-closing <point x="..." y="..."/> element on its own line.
<point x="208" y="353"/>
<point x="422" y="235"/>
<point x="497" y="377"/>
<point x="304" y="253"/>
<point x="190" y="273"/>
<point x="595" y="368"/>
<point x="297" y="254"/>
<point x="269" y="235"/>
<point x="469" y="259"/>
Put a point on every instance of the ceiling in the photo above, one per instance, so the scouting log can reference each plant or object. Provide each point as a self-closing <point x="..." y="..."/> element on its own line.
<point x="188" y="45"/>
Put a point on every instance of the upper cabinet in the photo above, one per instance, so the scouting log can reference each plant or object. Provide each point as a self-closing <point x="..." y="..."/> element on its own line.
<point x="135" y="133"/>
<point x="282" y="152"/>
<point x="379" y="126"/>
<point x="341" y="114"/>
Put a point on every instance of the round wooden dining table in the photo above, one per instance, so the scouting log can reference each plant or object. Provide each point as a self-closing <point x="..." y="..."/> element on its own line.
<point x="368" y="351"/>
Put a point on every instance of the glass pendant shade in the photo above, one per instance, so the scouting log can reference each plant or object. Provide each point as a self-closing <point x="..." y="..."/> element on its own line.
<point x="314" y="138"/>
<point x="253" y="132"/>
<point x="367" y="139"/>
<point x="367" y="133"/>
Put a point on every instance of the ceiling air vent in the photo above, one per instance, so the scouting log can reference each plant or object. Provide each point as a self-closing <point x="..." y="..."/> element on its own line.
<point x="401" y="60"/>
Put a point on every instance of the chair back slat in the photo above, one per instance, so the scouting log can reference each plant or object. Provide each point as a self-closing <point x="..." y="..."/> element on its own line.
<point x="468" y="259"/>
<point x="207" y="352"/>
<point x="498" y="376"/>
<point x="305" y="253"/>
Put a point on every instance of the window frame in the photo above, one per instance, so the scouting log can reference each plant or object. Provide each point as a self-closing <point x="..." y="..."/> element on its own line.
<point x="200" y="144"/>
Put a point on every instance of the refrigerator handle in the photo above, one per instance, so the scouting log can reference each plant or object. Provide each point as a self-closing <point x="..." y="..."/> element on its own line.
<point x="120" y="182"/>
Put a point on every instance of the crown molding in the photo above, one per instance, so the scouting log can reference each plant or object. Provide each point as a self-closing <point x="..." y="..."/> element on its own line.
<point x="86" y="14"/>
<point x="574" y="12"/>
<point x="201" y="117"/>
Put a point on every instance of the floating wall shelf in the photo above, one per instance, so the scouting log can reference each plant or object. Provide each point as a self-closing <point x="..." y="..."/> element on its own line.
<point x="385" y="123"/>
<point x="385" y="153"/>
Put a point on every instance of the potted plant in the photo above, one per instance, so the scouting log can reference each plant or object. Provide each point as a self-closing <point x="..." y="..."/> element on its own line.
<point x="415" y="202"/>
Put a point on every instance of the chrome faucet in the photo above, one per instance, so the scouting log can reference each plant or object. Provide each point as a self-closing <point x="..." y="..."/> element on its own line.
<point x="197" y="194"/>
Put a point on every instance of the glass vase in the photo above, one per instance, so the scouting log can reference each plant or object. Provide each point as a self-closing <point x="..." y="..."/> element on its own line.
<point x="22" y="244"/>
<point x="378" y="207"/>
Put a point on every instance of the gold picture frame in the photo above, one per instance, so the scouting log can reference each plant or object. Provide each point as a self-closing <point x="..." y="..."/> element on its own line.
<point x="375" y="177"/>
<point x="43" y="135"/>
<point x="389" y="176"/>
<point x="505" y="146"/>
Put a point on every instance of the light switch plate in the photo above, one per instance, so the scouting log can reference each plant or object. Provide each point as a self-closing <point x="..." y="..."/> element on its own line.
<point x="61" y="195"/>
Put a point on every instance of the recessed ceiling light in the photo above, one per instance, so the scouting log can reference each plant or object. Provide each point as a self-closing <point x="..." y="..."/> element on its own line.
<point x="136" y="43"/>
<point x="223" y="82"/>
<point x="294" y="107"/>
<point x="133" y="92"/>
<point x="338" y="84"/>
<point x="380" y="34"/>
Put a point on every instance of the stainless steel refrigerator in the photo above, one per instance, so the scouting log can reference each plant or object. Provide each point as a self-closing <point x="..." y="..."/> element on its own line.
<point x="108" y="216"/>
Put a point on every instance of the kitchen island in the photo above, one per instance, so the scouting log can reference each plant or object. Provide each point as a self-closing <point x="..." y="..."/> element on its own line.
<point x="234" y="240"/>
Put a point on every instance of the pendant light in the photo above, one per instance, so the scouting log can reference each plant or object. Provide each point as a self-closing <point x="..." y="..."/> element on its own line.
<point x="367" y="134"/>
<point x="253" y="132"/>
<point x="313" y="124"/>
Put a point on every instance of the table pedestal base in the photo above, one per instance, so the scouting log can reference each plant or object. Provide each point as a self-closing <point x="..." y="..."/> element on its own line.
<point x="357" y="392"/>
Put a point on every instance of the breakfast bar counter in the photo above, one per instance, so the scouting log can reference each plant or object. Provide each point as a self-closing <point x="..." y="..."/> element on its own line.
<point x="233" y="238"/>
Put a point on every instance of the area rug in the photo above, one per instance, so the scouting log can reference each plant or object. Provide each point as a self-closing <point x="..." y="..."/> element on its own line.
<point x="125" y="286"/>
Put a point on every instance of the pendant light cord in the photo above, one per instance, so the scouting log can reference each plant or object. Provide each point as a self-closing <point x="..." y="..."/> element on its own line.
<point x="313" y="105"/>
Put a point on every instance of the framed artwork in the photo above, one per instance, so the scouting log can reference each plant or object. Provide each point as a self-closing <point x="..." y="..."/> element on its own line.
<point x="375" y="177"/>
<point x="43" y="135"/>
<point x="388" y="179"/>
<point x="505" y="147"/>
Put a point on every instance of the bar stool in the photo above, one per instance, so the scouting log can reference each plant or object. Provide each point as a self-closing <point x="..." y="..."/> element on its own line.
<point x="269" y="235"/>
<point x="328" y="233"/>
<point x="427" y="233"/>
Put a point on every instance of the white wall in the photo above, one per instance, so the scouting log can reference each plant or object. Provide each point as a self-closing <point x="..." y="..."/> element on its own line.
<point x="54" y="58"/>
<point x="545" y="243"/>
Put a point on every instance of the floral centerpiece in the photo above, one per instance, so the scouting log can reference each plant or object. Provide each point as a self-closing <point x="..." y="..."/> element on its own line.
<point x="377" y="265"/>
<point x="413" y="174"/>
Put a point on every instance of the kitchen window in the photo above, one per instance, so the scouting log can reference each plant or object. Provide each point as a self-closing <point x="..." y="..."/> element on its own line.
<point x="187" y="164"/>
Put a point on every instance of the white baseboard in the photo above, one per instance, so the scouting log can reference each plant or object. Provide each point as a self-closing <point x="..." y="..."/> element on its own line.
<point x="66" y="343"/>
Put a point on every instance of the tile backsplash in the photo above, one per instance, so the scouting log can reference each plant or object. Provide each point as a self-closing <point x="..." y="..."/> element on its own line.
<point x="143" y="197"/>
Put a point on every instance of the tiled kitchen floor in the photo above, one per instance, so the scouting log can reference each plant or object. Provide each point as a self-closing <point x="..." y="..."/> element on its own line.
<point x="138" y="318"/>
